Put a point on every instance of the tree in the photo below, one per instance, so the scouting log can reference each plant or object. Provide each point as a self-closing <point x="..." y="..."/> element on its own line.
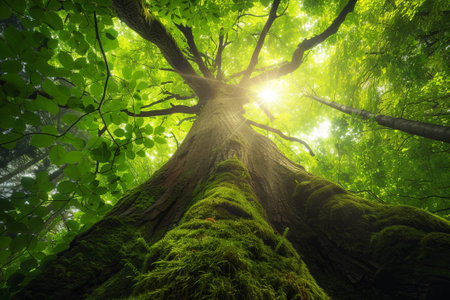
<point x="228" y="215"/>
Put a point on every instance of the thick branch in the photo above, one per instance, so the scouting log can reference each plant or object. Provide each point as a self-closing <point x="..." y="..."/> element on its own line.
<point x="168" y="111"/>
<point x="187" y="32"/>
<point x="307" y="44"/>
<point x="431" y="131"/>
<point x="282" y="135"/>
<point x="259" y="44"/>
<point x="139" y="18"/>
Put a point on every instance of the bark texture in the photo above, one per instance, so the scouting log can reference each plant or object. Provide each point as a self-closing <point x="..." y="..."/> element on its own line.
<point x="208" y="223"/>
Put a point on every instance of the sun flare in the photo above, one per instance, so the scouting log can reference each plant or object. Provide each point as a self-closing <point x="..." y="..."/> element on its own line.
<point x="268" y="94"/>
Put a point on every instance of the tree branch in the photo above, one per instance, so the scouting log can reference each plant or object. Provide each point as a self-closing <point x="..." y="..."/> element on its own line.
<point x="431" y="131"/>
<point x="141" y="20"/>
<point x="170" y="96"/>
<point x="187" y="32"/>
<point x="218" y="59"/>
<point x="168" y="111"/>
<point x="259" y="44"/>
<point x="307" y="44"/>
<point x="282" y="135"/>
<point x="108" y="74"/>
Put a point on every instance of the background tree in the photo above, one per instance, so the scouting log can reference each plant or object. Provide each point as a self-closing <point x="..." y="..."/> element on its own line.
<point x="205" y="221"/>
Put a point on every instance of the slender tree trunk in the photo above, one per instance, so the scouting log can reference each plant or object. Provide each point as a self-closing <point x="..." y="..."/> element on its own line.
<point x="431" y="131"/>
<point x="24" y="167"/>
<point x="213" y="224"/>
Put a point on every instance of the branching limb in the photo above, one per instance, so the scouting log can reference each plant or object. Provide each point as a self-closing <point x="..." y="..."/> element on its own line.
<point x="259" y="44"/>
<point x="139" y="18"/>
<point x="218" y="60"/>
<point x="307" y="44"/>
<point x="108" y="74"/>
<point x="282" y="135"/>
<point x="187" y="32"/>
<point x="170" y="96"/>
<point x="168" y="111"/>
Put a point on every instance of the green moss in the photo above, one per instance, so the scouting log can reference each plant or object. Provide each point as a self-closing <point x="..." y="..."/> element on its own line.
<point x="395" y="243"/>
<point x="224" y="249"/>
<point x="434" y="255"/>
<point x="403" y="244"/>
<point x="87" y="263"/>
<point x="142" y="196"/>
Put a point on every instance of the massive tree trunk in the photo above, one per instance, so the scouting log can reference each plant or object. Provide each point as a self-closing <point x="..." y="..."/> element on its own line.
<point x="207" y="226"/>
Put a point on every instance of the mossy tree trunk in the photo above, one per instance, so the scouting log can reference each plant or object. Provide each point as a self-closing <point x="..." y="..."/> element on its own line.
<point x="207" y="226"/>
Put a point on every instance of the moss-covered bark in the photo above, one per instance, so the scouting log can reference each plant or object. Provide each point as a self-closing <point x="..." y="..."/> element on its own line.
<point x="205" y="226"/>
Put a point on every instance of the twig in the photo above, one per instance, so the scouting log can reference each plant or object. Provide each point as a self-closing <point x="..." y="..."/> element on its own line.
<point x="108" y="74"/>
<point x="162" y="112"/>
<point x="186" y="119"/>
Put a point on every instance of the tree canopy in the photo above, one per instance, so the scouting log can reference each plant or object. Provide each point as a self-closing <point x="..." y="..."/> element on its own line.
<point x="90" y="108"/>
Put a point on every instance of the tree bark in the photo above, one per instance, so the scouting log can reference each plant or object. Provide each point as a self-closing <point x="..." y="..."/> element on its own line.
<point x="207" y="225"/>
<point x="431" y="131"/>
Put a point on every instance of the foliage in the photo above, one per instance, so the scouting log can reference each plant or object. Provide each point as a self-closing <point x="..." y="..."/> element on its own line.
<point x="64" y="105"/>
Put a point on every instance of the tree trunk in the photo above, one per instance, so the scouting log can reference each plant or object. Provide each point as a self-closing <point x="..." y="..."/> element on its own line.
<point x="207" y="224"/>
<point x="431" y="131"/>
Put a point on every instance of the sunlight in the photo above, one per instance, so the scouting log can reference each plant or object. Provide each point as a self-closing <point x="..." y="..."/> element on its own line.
<point x="268" y="94"/>
<point x="321" y="131"/>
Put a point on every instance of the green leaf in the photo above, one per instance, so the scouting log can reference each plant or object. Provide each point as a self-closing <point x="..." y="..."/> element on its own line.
<point x="11" y="66"/>
<point x="131" y="154"/>
<point x="42" y="141"/>
<point x="5" y="11"/>
<point x="50" y="88"/>
<point x="43" y="103"/>
<point x="18" y="243"/>
<point x="5" y="241"/>
<point x="18" y="5"/>
<point x="66" y="187"/>
<point x="148" y="143"/>
<point x="160" y="140"/>
<point x="73" y="225"/>
<point x="28" y="264"/>
<point x="28" y="183"/>
<point x="148" y="129"/>
<point x="73" y="157"/>
<point x="159" y="130"/>
<point x="72" y="172"/>
<point x="31" y="118"/>
<point x="101" y="153"/>
<point x="69" y="118"/>
<point x="35" y="224"/>
<point x="66" y="60"/>
<point x="126" y="72"/>
<point x="53" y="20"/>
<point x="97" y="90"/>
<point x="4" y="256"/>
<point x="119" y="132"/>
<point x="57" y="155"/>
